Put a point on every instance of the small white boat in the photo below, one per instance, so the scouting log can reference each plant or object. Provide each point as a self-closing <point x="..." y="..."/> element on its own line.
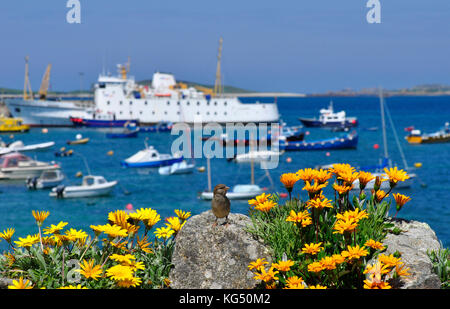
<point x="256" y="156"/>
<point x="18" y="166"/>
<point x="20" y="147"/>
<point x="48" y="179"/>
<point x="177" y="168"/>
<point x="239" y="192"/>
<point x="91" y="186"/>
<point x="150" y="157"/>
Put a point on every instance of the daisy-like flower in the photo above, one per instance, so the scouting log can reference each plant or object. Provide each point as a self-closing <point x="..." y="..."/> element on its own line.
<point x="98" y="229"/>
<point x="338" y="259"/>
<point x="402" y="271"/>
<point x="283" y="265"/>
<point x="355" y="252"/>
<point x="89" y="270"/>
<point x="147" y="215"/>
<point x="164" y="232"/>
<point x="289" y="180"/>
<point x="342" y="226"/>
<point x="74" y="235"/>
<point x="259" y="263"/>
<point x="144" y="244"/>
<point x="122" y="258"/>
<point x="307" y="174"/>
<point x="259" y="199"/>
<point x="376" y="285"/>
<point x="389" y="260"/>
<point x="315" y="267"/>
<point x="395" y="175"/>
<point x="55" y="229"/>
<point x="364" y="178"/>
<point x="374" y="245"/>
<point x="266" y="206"/>
<point x="328" y="263"/>
<point x="319" y="204"/>
<point x="21" y="284"/>
<point x="314" y="189"/>
<point x="342" y="189"/>
<point x="341" y="168"/>
<point x="301" y="217"/>
<point x="322" y="176"/>
<point x="348" y="177"/>
<point x="7" y="234"/>
<point x="73" y="287"/>
<point x="312" y="248"/>
<point x="119" y="217"/>
<point x="114" y="231"/>
<point x="40" y="216"/>
<point x="317" y="287"/>
<point x="380" y="195"/>
<point x="119" y="272"/>
<point x="130" y="282"/>
<point x="183" y="215"/>
<point x="376" y="270"/>
<point x="400" y="200"/>
<point x="174" y="223"/>
<point x="295" y="282"/>
<point x="266" y="276"/>
<point x="28" y="241"/>
<point x="356" y="215"/>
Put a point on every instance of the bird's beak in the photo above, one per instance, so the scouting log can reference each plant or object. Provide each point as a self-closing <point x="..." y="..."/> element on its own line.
<point x="227" y="188"/>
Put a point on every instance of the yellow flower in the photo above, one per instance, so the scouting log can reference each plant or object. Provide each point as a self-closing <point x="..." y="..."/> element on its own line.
<point x="364" y="179"/>
<point x="114" y="231"/>
<point x="353" y="214"/>
<point x="402" y="271"/>
<point x="317" y="287"/>
<point x="322" y="176"/>
<point x="28" y="241"/>
<point x="342" y="226"/>
<point x="307" y="174"/>
<point x="147" y="215"/>
<point x="266" y="276"/>
<point x="97" y="229"/>
<point x="182" y="214"/>
<point x="119" y="272"/>
<point x="164" y="232"/>
<point x="259" y="263"/>
<point x="376" y="285"/>
<point x="283" y="265"/>
<point x="380" y="195"/>
<point x="389" y="260"/>
<point x="302" y="217"/>
<point x="55" y="229"/>
<point x="21" y="285"/>
<point x="400" y="200"/>
<point x="129" y="282"/>
<point x="122" y="258"/>
<point x="144" y="244"/>
<point x="341" y="168"/>
<point x="376" y="270"/>
<point x="338" y="259"/>
<point x="395" y="175"/>
<point x="10" y="258"/>
<point x="259" y="199"/>
<point x="40" y="216"/>
<point x="328" y="263"/>
<point x="354" y="252"/>
<point x="374" y="244"/>
<point x="315" y="188"/>
<point x="315" y="267"/>
<point x="135" y="266"/>
<point x="289" y="180"/>
<point x="348" y="177"/>
<point x="89" y="270"/>
<point x="73" y="235"/>
<point x="319" y="203"/>
<point x="312" y="248"/>
<point x="7" y="234"/>
<point x="342" y="189"/>
<point x="174" y="223"/>
<point x="266" y="206"/>
<point x="295" y="282"/>
<point x="118" y="217"/>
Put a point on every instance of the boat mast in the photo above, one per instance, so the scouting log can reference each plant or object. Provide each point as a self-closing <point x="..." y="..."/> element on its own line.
<point x="383" y="125"/>
<point x="27" y="85"/>
<point x="218" y="84"/>
<point x="208" y="167"/>
<point x="252" y="178"/>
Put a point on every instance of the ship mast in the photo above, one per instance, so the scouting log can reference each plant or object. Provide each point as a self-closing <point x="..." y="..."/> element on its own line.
<point x="218" y="84"/>
<point x="27" y="85"/>
<point x="45" y="83"/>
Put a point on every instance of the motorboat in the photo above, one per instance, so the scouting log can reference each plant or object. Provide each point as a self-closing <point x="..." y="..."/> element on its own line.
<point x="177" y="168"/>
<point x="159" y="127"/>
<point x="91" y="186"/>
<point x="48" y="179"/>
<point x="256" y="156"/>
<point x="328" y="118"/>
<point x="238" y="192"/>
<point x="348" y="141"/>
<point x="12" y="125"/>
<point x="150" y="157"/>
<point x="124" y="134"/>
<point x="417" y="137"/>
<point x="99" y="120"/>
<point x="79" y="140"/>
<point x="18" y="146"/>
<point x="18" y="166"/>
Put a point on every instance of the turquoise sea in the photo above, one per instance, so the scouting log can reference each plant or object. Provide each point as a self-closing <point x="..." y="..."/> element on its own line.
<point x="146" y="188"/>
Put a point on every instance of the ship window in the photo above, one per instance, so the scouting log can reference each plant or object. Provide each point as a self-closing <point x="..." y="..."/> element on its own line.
<point x="17" y="109"/>
<point x="198" y="103"/>
<point x="108" y="102"/>
<point x="168" y="102"/>
<point x="131" y="103"/>
<point x="145" y="102"/>
<point x="120" y="103"/>
<point x="215" y="103"/>
<point x="225" y="103"/>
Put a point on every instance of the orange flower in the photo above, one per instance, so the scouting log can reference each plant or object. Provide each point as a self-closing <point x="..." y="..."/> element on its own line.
<point x="380" y="195"/>
<point x="315" y="267"/>
<point x="314" y="189"/>
<point x="312" y="248"/>
<point x="395" y="175"/>
<point x="341" y="168"/>
<point x="353" y="214"/>
<point x="364" y="178"/>
<point x="400" y="200"/>
<point x="302" y="217"/>
<point x="289" y="180"/>
<point x="266" y="206"/>
<point x="342" y="189"/>
<point x="354" y="252"/>
<point x="342" y="226"/>
<point x="374" y="244"/>
<point x="259" y="199"/>
<point x="319" y="203"/>
<point x="348" y="177"/>
<point x="283" y="265"/>
<point x="307" y="174"/>
<point x="322" y="176"/>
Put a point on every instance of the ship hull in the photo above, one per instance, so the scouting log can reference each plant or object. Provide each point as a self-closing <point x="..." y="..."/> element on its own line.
<point x="314" y="123"/>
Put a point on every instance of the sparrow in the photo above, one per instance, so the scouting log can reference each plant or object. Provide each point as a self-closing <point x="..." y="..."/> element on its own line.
<point x="220" y="204"/>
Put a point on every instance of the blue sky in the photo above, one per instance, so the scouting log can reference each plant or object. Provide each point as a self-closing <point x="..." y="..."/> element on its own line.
<point x="294" y="46"/>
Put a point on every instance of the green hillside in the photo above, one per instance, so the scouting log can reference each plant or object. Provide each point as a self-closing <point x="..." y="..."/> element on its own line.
<point x="226" y="89"/>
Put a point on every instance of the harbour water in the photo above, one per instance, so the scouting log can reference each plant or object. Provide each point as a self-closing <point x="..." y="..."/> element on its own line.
<point x="146" y="188"/>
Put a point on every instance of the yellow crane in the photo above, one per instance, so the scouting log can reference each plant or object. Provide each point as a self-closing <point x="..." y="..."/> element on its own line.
<point x="218" y="89"/>
<point x="27" y="92"/>
<point x="45" y="83"/>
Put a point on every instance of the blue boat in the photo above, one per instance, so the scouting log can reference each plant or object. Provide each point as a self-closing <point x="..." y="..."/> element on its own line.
<point x="350" y="141"/>
<point x="150" y="157"/>
<point x="102" y="123"/>
<point x="160" y="127"/>
<point x="329" y="119"/>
